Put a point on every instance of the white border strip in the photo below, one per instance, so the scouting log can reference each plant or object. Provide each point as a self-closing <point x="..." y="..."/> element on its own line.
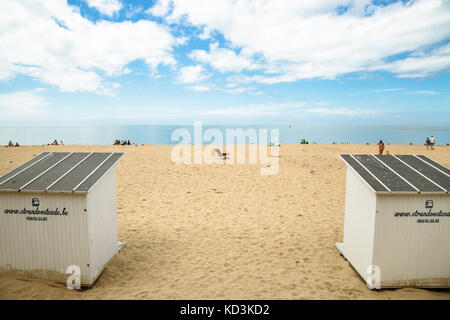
<point x="370" y="173"/>
<point x="104" y="173"/>
<point x="431" y="165"/>
<point x="92" y="172"/>
<point x="26" y="168"/>
<point x="45" y="171"/>
<point x="419" y="173"/>
<point x="76" y="165"/>
<point x="396" y="173"/>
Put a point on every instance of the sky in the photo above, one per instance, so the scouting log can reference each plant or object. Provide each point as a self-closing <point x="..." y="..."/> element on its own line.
<point x="322" y="62"/>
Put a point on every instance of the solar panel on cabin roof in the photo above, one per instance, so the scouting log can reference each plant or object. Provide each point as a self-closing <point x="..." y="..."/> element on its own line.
<point x="60" y="171"/>
<point x="425" y="166"/>
<point x="364" y="173"/>
<point x="76" y="176"/>
<point x="417" y="180"/>
<point x="434" y="163"/>
<point x="18" y="181"/>
<point x="91" y="180"/>
<point x="22" y="167"/>
<point x="402" y="173"/>
<point x="52" y="175"/>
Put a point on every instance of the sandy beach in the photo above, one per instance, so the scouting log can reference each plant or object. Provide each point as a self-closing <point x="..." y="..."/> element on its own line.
<point x="225" y="231"/>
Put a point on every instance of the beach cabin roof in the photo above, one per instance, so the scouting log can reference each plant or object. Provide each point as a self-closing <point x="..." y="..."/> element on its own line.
<point x="60" y="172"/>
<point x="400" y="173"/>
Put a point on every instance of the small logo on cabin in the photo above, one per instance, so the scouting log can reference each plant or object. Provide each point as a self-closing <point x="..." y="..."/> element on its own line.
<point x="35" y="202"/>
<point x="429" y="204"/>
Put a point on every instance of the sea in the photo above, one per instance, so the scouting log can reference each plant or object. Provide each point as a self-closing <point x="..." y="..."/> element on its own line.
<point x="164" y="134"/>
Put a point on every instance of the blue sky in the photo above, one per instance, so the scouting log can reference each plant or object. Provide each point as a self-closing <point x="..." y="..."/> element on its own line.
<point x="324" y="62"/>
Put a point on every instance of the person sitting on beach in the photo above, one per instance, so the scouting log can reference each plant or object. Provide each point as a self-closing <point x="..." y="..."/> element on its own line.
<point x="10" y="144"/>
<point x="17" y="144"/>
<point x="61" y="142"/>
<point x="380" y="147"/>
<point x="128" y="142"/>
<point x="432" y="142"/>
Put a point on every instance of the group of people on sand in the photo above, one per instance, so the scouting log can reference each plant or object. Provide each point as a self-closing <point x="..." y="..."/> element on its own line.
<point x="304" y="141"/>
<point x="11" y="144"/>
<point x="55" y="143"/>
<point x="122" y="143"/>
<point x="430" y="142"/>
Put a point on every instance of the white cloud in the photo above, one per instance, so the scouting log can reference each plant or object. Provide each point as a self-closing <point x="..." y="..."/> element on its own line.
<point x="274" y="109"/>
<point x="347" y="112"/>
<point x="420" y="64"/>
<point x="161" y="8"/>
<point x="424" y="92"/>
<point x="229" y="88"/>
<point x="52" y="42"/>
<point x="292" y="109"/>
<point x="22" y="104"/>
<point x="402" y="90"/>
<point x="205" y="34"/>
<point x="191" y="74"/>
<point x="132" y="11"/>
<point x="199" y="88"/>
<point x="224" y="60"/>
<point x="107" y="7"/>
<point x="309" y="39"/>
<point x="388" y="90"/>
<point x="250" y="111"/>
<point x="239" y="89"/>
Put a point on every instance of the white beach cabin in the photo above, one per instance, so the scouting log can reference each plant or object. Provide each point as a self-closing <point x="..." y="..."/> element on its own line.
<point x="58" y="216"/>
<point x="397" y="220"/>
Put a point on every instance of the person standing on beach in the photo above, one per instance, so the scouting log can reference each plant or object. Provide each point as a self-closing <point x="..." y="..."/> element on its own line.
<point x="432" y="142"/>
<point x="380" y="147"/>
<point x="427" y="143"/>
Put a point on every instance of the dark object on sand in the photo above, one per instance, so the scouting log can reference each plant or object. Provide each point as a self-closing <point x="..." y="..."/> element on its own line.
<point x="222" y="155"/>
